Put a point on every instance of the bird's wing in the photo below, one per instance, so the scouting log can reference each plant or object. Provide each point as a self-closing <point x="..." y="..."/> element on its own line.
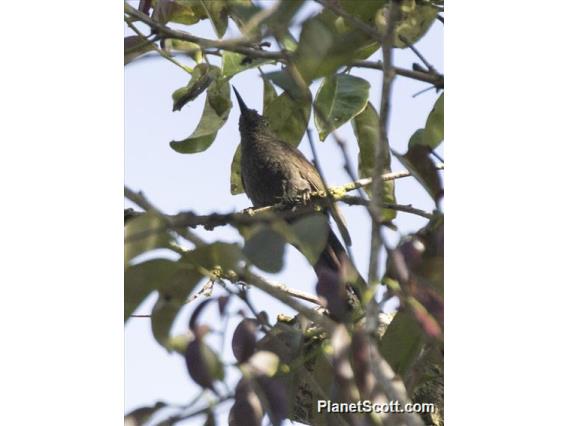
<point x="310" y="173"/>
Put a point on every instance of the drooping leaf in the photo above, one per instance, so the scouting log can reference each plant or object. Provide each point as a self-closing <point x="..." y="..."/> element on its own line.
<point x="366" y="128"/>
<point x="218" y="14"/>
<point x="416" y="19"/>
<point x="244" y="340"/>
<point x="201" y="78"/>
<point x="339" y="99"/>
<point x="215" y="113"/>
<point x="266" y="250"/>
<point x="144" y="233"/>
<point x="141" y="415"/>
<point x="418" y="162"/>
<point x="173" y="296"/>
<point x="202" y="363"/>
<point x="234" y="63"/>
<point x="285" y="81"/>
<point x="135" y="46"/>
<point x="141" y="279"/>
<point x="402" y="342"/>
<point x="434" y="130"/>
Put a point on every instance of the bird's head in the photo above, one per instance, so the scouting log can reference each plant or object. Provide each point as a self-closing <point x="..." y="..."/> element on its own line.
<point x="250" y="120"/>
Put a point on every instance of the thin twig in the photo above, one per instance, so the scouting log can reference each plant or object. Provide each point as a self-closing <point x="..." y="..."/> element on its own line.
<point x="418" y="54"/>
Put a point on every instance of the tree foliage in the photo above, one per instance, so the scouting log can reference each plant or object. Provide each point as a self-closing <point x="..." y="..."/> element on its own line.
<point x="328" y="353"/>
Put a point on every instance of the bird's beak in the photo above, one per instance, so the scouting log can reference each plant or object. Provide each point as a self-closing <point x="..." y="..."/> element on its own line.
<point x="242" y="104"/>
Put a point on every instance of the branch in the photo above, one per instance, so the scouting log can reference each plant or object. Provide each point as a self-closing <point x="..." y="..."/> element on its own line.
<point x="377" y="188"/>
<point x="244" y="47"/>
<point x="241" y="45"/>
<point x="433" y="78"/>
<point x="269" y="214"/>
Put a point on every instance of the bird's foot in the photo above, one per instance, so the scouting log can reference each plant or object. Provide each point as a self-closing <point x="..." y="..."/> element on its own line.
<point x="298" y="198"/>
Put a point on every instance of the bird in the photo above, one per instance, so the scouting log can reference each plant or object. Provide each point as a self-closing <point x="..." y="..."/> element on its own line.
<point x="273" y="171"/>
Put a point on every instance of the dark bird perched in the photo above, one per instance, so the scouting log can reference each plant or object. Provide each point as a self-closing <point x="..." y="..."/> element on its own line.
<point x="273" y="171"/>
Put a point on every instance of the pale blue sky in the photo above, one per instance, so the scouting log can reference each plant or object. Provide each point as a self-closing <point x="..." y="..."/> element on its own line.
<point x="200" y="182"/>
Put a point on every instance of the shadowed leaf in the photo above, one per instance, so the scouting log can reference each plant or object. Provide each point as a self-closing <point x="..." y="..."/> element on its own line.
<point x="218" y="254"/>
<point x="416" y="18"/>
<point x="140" y="416"/>
<point x="310" y="234"/>
<point x="141" y="279"/>
<point x="339" y="99"/>
<point x="244" y="340"/>
<point x="247" y="409"/>
<point x="418" y="162"/>
<point x="144" y="233"/>
<point x="402" y="342"/>
<point x="266" y="250"/>
<point x="173" y="296"/>
<point x="135" y="46"/>
<point x="202" y="363"/>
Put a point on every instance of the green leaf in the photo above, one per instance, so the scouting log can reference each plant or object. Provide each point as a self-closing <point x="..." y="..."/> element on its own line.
<point x="215" y="114"/>
<point x="201" y="78"/>
<point x="269" y="95"/>
<point x="236" y="180"/>
<point x="402" y="342"/>
<point x="326" y="44"/>
<point x="135" y="46"/>
<point x="186" y="12"/>
<point x="416" y="19"/>
<point x="217" y="12"/>
<point x="420" y="165"/>
<point x="174" y="293"/>
<point x="434" y="130"/>
<point x="216" y="255"/>
<point x="141" y="279"/>
<point x="309" y="235"/>
<point x="144" y="233"/>
<point x="366" y="128"/>
<point x="339" y="99"/>
<point x="288" y="118"/>
<point x="363" y="10"/>
<point x="234" y="63"/>
<point x="266" y="250"/>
